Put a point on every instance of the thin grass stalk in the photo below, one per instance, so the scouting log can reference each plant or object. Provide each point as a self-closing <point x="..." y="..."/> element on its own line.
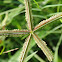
<point x="56" y="49"/>
<point x="37" y="57"/>
<point x="42" y="23"/>
<point x="25" y="49"/>
<point x="41" y="44"/>
<point x="28" y="14"/>
<point x="10" y="50"/>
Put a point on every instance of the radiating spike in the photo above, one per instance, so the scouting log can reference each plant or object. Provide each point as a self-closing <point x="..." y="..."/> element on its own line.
<point x="15" y="32"/>
<point x="42" y="23"/>
<point x="28" y="14"/>
<point x="25" y="49"/>
<point x="41" y="44"/>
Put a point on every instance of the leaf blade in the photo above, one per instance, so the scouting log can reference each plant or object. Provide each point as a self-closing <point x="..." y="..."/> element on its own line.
<point x="30" y="56"/>
<point x="56" y="50"/>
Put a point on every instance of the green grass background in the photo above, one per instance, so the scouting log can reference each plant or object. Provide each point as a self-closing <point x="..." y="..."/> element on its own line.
<point x="12" y="14"/>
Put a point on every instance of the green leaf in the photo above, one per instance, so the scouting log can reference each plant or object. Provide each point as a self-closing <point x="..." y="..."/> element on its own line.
<point x="22" y="1"/>
<point x="51" y="6"/>
<point x="15" y="57"/>
<point x="37" y="4"/>
<point x="30" y="56"/>
<point x="11" y="15"/>
<point x="2" y="50"/>
<point x="37" y="57"/>
<point x="56" y="50"/>
<point x="61" y="20"/>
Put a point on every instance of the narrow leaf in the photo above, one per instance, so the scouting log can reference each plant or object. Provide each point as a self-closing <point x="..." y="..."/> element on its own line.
<point x="2" y="50"/>
<point x="5" y="19"/>
<point x="11" y="10"/>
<point x="51" y="31"/>
<point x="37" y="57"/>
<point x="56" y="50"/>
<point x="42" y="23"/>
<point x="28" y="14"/>
<point x="30" y="56"/>
<point x="55" y="5"/>
<point x="15" y="32"/>
<point x="61" y="20"/>
<point x="25" y="49"/>
<point x="41" y="44"/>
<point x="11" y="14"/>
<point x="22" y="1"/>
<point x="16" y="56"/>
<point x="36" y="4"/>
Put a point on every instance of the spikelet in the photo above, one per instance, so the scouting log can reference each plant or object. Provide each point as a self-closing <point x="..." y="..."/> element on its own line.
<point x="42" y="23"/>
<point x="28" y="14"/>
<point x="41" y="44"/>
<point x="12" y="33"/>
<point x="25" y="49"/>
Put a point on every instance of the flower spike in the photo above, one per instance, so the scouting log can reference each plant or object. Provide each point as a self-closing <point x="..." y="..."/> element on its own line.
<point x="41" y="44"/>
<point x="42" y="23"/>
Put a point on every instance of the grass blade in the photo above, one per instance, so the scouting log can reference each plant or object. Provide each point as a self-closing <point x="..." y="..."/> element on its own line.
<point x="41" y="44"/>
<point x="16" y="56"/>
<point x="47" y="6"/>
<point x="51" y="31"/>
<point x="42" y="23"/>
<point x="30" y="56"/>
<point x="37" y="57"/>
<point x="10" y="15"/>
<point x="11" y="10"/>
<point x="25" y="49"/>
<point x="2" y="50"/>
<point x="36" y="4"/>
<point x="56" y="50"/>
<point x="5" y="19"/>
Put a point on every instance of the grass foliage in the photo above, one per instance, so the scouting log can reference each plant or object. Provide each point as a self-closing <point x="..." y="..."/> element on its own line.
<point x="12" y="16"/>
